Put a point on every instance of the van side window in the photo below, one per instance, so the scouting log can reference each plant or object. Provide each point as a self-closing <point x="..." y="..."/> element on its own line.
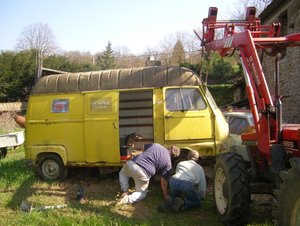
<point x="184" y="99"/>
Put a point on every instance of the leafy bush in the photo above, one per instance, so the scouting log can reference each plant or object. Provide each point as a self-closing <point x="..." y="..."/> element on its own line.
<point x="222" y="94"/>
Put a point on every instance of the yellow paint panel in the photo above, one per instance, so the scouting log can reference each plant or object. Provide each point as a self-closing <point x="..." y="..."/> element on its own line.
<point x="188" y="127"/>
<point x="101" y="127"/>
<point x="184" y="117"/>
<point x="44" y="127"/>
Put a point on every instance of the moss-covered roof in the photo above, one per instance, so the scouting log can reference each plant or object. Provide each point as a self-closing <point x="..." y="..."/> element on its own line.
<point x="145" y="77"/>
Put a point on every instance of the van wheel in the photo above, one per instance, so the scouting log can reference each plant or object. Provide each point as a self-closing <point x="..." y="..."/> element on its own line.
<point x="3" y="153"/>
<point x="50" y="167"/>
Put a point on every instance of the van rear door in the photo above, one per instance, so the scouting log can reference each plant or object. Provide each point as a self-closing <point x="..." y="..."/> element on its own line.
<point x="186" y="114"/>
<point x="101" y="127"/>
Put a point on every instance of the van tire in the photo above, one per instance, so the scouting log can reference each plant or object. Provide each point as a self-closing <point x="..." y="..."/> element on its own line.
<point x="51" y="168"/>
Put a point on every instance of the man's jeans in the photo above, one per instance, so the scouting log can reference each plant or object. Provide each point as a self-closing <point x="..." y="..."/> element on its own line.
<point x="186" y="190"/>
<point x="141" y="181"/>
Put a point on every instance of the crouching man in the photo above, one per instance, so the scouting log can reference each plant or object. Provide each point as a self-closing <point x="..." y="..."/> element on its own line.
<point x="187" y="186"/>
<point x="154" y="160"/>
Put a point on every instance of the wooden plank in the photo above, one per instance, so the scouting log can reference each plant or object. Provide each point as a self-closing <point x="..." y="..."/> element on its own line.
<point x="136" y="100"/>
<point x="135" y="108"/>
<point x="136" y="125"/>
<point x="135" y="116"/>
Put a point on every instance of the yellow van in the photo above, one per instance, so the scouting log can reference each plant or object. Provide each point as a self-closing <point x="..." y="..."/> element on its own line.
<point x="83" y="119"/>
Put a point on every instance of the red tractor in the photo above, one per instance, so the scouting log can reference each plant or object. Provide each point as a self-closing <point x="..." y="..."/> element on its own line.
<point x="273" y="148"/>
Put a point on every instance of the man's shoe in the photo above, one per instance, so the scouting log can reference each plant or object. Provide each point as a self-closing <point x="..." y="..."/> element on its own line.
<point x="178" y="203"/>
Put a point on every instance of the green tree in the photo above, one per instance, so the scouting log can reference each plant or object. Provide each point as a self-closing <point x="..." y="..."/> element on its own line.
<point x="220" y="70"/>
<point x="17" y="73"/>
<point x="107" y="59"/>
<point x="178" y="54"/>
<point x="58" y="62"/>
<point x="222" y="73"/>
<point x="63" y="63"/>
<point x="222" y="94"/>
<point x="194" y="67"/>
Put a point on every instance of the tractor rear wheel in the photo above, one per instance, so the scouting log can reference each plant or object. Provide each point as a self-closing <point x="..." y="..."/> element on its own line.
<point x="231" y="187"/>
<point x="288" y="206"/>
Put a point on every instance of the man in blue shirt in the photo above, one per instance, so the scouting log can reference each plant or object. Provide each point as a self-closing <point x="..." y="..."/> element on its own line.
<point x="154" y="160"/>
<point x="187" y="186"/>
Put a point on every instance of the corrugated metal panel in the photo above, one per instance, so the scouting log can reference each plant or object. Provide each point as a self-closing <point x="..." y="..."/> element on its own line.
<point x="156" y="76"/>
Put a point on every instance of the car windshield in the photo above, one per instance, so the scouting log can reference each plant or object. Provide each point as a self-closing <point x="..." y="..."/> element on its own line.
<point x="251" y="120"/>
<point x="237" y="125"/>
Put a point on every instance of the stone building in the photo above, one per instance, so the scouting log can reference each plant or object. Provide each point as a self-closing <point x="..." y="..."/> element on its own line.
<point x="287" y="12"/>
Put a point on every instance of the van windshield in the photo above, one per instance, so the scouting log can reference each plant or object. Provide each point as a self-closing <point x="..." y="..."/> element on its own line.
<point x="184" y="99"/>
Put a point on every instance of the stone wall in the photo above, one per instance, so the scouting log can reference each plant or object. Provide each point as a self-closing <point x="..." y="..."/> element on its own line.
<point x="290" y="63"/>
<point x="7" y="122"/>
<point x="7" y="113"/>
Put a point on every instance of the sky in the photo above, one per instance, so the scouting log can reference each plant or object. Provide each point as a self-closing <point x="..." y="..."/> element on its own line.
<point x="88" y="25"/>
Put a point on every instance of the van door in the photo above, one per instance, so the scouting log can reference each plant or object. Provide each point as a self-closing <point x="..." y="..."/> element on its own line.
<point x="186" y="114"/>
<point x="101" y="127"/>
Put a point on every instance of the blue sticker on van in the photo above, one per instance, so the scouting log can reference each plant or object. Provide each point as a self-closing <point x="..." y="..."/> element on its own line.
<point x="60" y="105"/>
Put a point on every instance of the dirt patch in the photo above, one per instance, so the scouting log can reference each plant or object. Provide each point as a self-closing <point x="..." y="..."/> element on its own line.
<point x="100" y="194"/>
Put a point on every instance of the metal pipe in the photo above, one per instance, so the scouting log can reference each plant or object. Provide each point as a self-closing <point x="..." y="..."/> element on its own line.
<point x="278" y="103"/>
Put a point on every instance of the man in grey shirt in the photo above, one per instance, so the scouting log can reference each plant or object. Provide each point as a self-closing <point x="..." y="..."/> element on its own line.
<point x="154" y="160"/>
<point x="187" y="186"/>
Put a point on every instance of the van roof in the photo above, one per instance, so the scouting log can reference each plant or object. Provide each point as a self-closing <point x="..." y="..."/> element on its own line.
<point x="144" y="77"/>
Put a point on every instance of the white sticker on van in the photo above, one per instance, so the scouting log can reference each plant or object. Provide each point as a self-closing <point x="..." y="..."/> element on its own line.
<point x="60" y="105"/>
<point x="101" y="104"/>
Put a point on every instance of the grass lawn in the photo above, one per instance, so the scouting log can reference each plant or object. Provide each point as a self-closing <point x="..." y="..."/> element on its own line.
<point x="19" y="183"/>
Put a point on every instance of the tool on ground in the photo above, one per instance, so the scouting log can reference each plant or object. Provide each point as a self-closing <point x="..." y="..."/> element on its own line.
<point x="27" y="207"/>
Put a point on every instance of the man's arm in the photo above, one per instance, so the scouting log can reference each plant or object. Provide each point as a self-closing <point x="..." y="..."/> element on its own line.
<point x="164" y="186"/>
<point x="202" y="183"/>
